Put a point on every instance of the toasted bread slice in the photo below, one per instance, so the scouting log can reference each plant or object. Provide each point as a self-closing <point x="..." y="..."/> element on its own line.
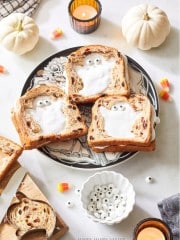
<point x="9" y="153"/>
<point x="120" y="123"/>
<point x="45" y="114"/>
<point x="30" y="216"/>
<point x="96" y="70"/>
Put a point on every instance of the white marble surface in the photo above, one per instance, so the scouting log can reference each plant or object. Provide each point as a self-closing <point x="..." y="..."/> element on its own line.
<point x="161" y="164"/>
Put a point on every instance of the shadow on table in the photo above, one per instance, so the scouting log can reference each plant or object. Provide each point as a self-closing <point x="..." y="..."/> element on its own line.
<point x="109" y="33"/>
<point x="68" y="236"/>
<point x="44" y="48"/>
<point x="167" y="54"/>
<point x="128" y="224"/>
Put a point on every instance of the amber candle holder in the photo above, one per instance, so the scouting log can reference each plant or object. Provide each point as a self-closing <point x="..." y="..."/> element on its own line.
<point x="85" y="15"/>
<point x="152" y="228"/>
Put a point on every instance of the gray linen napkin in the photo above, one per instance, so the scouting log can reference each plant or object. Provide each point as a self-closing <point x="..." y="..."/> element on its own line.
<point x="169" y="210"/>
<point x="22" y="6"/>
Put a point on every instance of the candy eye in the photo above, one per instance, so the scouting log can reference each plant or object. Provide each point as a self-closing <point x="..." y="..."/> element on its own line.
<point x="149" y="179"/>
<point x="69" y="204"/>
<point x="104" y="188"/>
<point x="47" y="102"/>
<point x="97" y="61"/>
<point x="89" y="62"/>
<point x="97" y="188"/>
<point x="77" y="191"/>
<point x="122" y="107"/>
<point x="110" y="186"/>
<point x="114" y="108"/>
<point x="40" y="104"/>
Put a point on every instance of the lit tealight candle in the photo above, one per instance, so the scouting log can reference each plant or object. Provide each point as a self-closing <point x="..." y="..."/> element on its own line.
<point x="151" y="233"/>
<point x="84" y="12"/>
<point x="85" y="17"/>
<point x="152" y="229"/>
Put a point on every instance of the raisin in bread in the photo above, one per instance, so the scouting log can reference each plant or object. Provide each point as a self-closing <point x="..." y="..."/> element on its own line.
<point x="9" y="153"/>
<point x="45" y="114"/>
<point x="96" y="70"/>
<point x="122" y="124"/>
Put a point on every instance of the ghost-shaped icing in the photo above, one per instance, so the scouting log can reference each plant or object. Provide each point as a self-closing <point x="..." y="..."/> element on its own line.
<point x="95" y="73"/>
<point x="48" y="113"/>
<point x="118" y="120"/>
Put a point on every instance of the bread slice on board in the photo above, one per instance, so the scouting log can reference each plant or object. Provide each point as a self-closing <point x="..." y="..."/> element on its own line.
<point x="9" y="153"/>
<point x="96" y="70"/>
<point x="45" y="114"/>
<point x="122" y="124"/>
<point x="30" y="216"/>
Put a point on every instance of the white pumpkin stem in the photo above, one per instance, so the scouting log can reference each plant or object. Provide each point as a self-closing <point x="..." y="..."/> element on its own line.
<point x="146" y="17"/>
<point x="19" y="26"/>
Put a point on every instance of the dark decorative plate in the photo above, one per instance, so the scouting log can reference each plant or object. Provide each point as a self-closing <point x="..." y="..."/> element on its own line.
<point x="76" y="153"/>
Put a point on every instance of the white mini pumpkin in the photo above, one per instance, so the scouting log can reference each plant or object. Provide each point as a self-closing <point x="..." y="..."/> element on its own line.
<point x="145" y="26"/>
<point x="18" y="33"/>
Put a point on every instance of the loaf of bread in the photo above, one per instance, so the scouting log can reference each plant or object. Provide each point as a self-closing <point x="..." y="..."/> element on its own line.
<point x="96" y="70"/>
<point x="45" y="114"/>
<point x="9" y="153"/>
<point x="122" y="124"/>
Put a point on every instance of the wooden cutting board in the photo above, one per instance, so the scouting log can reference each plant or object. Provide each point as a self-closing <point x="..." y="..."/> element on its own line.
<point x="30" y="189"/>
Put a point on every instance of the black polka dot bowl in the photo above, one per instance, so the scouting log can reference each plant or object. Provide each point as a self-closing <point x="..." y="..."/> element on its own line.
<point x="107" y="197"/>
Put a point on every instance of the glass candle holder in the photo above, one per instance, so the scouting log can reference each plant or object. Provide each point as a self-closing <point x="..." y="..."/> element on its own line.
<point x="152" y="229"/>
<point x="85" y="15"/>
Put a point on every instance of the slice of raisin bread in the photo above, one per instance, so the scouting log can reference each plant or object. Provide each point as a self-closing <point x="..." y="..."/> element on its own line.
<point x="30" y="216"/>
<point x="96" y="70"/>
<point x="45" y="114"/>
<point x="9" y="153"/>
<point x="122" y="124"/>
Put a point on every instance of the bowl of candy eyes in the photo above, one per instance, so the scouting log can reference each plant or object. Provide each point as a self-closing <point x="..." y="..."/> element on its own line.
<point x="107" y="197"/>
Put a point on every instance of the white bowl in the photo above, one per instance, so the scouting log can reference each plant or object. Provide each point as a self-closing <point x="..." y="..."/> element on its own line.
<point x="94" y="203"/>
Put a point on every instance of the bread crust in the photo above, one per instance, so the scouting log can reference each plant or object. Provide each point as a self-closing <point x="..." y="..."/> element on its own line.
<point x="9" y="152"/>
<point x="29" y="130"/>
<point x="119" y="83"/>
<point x="142" y="127"/>
<point x="125" y="148"/>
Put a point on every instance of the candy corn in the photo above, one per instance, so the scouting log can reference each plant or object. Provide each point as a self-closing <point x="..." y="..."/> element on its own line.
<point x="164" y="82"/>
<point x="165" y="95"/>
<point x="62" y="187"/>
<point x="2" y="69"/>
<point x="57" y="33"/>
